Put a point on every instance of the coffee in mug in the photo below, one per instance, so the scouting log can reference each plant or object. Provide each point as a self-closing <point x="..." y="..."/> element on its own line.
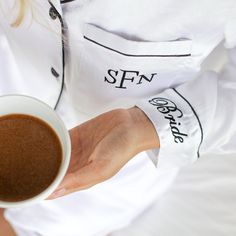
<point x="35" y="150"/>
<point x="30" y="156"/>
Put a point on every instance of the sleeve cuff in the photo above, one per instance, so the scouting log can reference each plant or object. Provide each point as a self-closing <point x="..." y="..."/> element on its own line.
<point x="178" y="128"/>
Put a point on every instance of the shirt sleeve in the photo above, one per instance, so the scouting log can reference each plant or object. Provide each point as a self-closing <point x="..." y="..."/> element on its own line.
<point x="198" y="117"/>
<point x="195" y="118"/>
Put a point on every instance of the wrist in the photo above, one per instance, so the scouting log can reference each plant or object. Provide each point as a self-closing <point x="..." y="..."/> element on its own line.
<point x="144" y="130"/>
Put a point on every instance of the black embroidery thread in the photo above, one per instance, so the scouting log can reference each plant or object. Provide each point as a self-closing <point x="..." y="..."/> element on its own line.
<point x="199" y="122"/>
<point x="120" y="77"/>
<point x="171" y="113"/>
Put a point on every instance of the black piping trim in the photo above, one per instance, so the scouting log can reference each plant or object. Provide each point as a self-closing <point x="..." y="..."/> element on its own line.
<point x="199" y="122"/>
<point x="130" y="55"/>
<point x="66" y="1"/>
<point x="63" y="56"/>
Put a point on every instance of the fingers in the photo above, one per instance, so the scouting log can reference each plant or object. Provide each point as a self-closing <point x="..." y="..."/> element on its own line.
<point x="84" y="178"/>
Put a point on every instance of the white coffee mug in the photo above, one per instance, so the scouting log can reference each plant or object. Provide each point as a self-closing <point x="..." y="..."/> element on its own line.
<point x="18" y="104"/>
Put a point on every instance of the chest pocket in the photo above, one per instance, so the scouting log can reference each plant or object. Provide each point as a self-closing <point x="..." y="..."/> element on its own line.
<point x="115" y="72"/>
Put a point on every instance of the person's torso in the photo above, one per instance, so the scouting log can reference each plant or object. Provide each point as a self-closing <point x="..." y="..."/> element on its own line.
<point x="115" y="52"/>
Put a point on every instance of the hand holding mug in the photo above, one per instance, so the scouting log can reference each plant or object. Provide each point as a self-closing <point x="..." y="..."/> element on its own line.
<point x="103" y="145"/>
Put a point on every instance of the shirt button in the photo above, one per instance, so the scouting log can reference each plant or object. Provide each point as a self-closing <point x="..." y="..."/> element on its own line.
<point x="54" y="72"/>
<point x="53" y="13"/>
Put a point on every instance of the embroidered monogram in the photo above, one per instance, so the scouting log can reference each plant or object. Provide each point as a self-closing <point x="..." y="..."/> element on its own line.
<point x="172" y="114"/>
<point x="122" y="77"/>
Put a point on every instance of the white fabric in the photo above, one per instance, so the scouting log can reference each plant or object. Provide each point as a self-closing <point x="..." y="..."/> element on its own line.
<point x="192" y="118"/>
<point x="201" y="201"/>
<point x="112" y="65"/>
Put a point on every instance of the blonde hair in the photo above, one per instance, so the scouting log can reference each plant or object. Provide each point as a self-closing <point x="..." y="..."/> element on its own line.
<point x="29" y="8"/>
<point x="22" y="5"/>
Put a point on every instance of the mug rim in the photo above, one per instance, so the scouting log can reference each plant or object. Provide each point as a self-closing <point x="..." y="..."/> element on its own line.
<point x="65" y="162"/>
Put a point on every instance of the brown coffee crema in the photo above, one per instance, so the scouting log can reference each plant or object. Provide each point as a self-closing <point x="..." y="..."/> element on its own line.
<point x="30" y="157"/>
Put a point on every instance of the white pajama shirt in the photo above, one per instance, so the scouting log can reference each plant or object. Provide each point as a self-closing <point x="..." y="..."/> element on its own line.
<point x="86" y="57"/>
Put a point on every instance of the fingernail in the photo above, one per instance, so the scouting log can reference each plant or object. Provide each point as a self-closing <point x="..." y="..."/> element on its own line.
<point x="58" y="193"/>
